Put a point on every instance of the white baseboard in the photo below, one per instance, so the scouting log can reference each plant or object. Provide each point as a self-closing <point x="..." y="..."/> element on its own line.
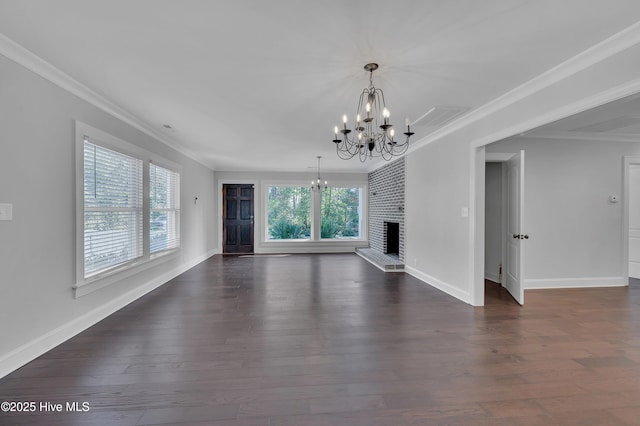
<point x="549" y="283"/>
<point x="28" y="352"/>
<point x="440" y="285"/>
<point x="491" y="277"/>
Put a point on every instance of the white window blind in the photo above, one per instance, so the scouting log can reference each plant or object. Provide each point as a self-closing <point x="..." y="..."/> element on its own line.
<point x="164" y="200"/>
<point x="112" y="208"/>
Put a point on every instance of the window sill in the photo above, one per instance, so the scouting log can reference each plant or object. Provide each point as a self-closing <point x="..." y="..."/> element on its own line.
<point x="91" y="284"/>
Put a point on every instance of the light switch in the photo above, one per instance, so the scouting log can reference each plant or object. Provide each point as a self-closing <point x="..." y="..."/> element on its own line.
<point x="6" y="211"/>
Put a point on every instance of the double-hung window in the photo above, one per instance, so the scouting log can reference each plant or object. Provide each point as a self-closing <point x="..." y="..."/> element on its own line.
<point x="112" y="208"/>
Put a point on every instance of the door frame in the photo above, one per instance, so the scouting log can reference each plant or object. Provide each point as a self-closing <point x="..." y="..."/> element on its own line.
<point x="256" y="200"/>
<point x="627" y="161"/>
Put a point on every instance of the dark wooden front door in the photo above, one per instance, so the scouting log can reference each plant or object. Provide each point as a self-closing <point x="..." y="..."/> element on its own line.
<point x="237" y="219"/>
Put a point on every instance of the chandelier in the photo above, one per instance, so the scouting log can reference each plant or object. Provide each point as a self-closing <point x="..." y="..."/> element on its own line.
<point x="374" y="135"/>
<point x="315" y="184"/>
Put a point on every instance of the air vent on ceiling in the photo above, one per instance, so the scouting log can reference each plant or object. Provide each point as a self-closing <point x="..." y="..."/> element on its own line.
<point x="610" y="124"/>
<point x="439" y="116"/>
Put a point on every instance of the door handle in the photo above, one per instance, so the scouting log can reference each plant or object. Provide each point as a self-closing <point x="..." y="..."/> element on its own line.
<point x="525" y="236"/>
<point x="516" y="236"/>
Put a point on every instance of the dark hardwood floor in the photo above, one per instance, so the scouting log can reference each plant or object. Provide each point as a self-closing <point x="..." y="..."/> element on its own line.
<point x="319" y="340"/>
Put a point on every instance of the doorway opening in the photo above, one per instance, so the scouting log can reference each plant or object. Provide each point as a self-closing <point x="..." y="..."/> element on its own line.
<point x="503" y="217"/>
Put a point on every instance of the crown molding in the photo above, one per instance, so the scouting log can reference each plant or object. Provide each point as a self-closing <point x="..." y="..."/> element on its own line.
<point x="583" y="136"/>
<point x="18" y="54"/>
<point x="618" y="42"/>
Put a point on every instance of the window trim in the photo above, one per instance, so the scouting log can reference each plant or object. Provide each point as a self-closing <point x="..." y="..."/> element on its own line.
<point x="85" y="285"/>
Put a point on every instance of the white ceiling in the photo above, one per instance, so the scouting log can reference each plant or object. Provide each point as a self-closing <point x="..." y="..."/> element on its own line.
<point x="259" y="85"/>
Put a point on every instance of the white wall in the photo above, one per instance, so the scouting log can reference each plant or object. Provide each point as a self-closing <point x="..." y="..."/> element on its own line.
<point x="37" y="253"/>
<point x="261" y="180"/>
<point x="493" y="236"/>
<point x="576" y="233"/>
<point x="441" y="246"/>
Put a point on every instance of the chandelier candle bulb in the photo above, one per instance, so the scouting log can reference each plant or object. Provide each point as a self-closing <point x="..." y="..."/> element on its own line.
<point x="385" y="115"/>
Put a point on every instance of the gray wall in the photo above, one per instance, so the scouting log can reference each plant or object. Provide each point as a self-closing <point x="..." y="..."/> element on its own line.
<point x="37" y="248"/>
<point x="386" y="203"/>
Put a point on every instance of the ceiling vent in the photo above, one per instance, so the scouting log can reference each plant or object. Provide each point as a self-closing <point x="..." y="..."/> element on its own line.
<point x="439" y="116"/>
<point x="610" y="124"/>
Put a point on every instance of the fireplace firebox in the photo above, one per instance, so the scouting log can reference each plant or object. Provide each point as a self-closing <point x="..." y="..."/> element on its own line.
<point x="392" y="238"/>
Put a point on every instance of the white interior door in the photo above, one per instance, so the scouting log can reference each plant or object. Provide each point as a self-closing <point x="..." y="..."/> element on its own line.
<point x="515" y="220"/>
<point x="634" y="220"/>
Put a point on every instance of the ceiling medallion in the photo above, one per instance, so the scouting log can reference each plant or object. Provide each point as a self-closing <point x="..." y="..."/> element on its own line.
<point x="374" y="134"/>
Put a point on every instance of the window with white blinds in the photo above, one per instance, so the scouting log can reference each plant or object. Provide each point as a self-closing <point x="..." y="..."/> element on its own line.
<point x="112" y="208"/>
<point x="164" y="215"/>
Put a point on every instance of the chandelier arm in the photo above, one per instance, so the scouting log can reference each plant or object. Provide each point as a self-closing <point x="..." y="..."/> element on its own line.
<point x="345" y="154"/>
<point x="363" y="155"/>
<point x="349" y="146"/>
<point x="384" y="104"/>
<point x="405" y="147"/>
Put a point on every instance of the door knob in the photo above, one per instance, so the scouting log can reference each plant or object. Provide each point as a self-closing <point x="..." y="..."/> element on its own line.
<point x="525" y="236"/>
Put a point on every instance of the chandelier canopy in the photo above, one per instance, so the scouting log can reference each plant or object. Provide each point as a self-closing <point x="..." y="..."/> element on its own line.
<point x="374" y="134"/>
<point x="316" y="185"/>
